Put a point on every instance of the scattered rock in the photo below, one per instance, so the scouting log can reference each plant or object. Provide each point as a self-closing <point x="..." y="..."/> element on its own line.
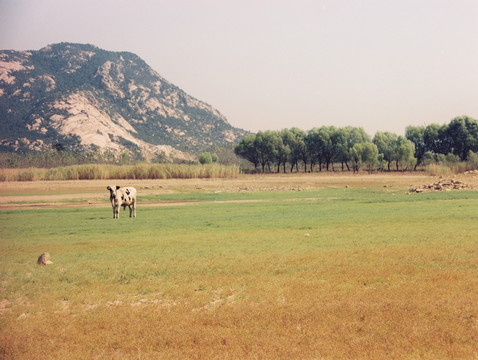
<point x="44" y="259"/>
<point x="441" y="185"/>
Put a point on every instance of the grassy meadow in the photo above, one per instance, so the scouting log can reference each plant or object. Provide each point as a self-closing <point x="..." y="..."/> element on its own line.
<point x="335" y="273"/>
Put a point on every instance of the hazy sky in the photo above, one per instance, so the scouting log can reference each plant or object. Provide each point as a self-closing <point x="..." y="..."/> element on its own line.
<point x="377" y="64"/>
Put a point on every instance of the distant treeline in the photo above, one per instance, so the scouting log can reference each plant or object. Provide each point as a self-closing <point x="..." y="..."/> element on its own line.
<point x="59" y="157"/>
<point x="351" y="148"/>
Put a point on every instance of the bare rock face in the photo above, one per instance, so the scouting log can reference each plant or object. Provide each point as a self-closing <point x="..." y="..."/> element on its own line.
<point x="44" y="259"/>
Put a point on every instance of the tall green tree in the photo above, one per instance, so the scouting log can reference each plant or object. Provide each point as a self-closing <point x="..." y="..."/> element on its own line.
<point x="314" y="148"/>
<point x="247" y="149"/>
<point x="364" y="154"/>
<point x="403" y="153"/>
<point x="462" y="135"/>
<point x="290" y="140"/>
<point x="385" y="142"/>
<point x="416" y="135"/>
<point x="327" y="144"/>
<point x="339" y="139"/>
<point x="283" y="150"/>
<point x="355" y="135"/>
<point x="321" y="147"/>
<point x="370" y="156"/>
<point x="298" y="149"/>
<point x="265" y="147"/>
<point x="432" y="138"/>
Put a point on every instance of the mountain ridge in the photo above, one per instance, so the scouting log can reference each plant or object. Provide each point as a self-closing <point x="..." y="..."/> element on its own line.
<point x="86" y="98"/>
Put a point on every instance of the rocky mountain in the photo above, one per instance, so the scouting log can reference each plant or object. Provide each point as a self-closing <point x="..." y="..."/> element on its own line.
<point x="80" y="97"/>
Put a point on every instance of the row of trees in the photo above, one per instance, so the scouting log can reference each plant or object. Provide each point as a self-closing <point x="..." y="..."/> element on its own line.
<point x="352" y="148"/>
<point x="459" y="138"/>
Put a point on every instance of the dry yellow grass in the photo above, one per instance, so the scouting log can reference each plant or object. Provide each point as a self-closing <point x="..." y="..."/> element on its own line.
<point x="337" y="305"/>
<point x="104" y="172"/>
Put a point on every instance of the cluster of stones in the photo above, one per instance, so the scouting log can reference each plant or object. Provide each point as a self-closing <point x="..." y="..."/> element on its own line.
<point x="441" y="185"/>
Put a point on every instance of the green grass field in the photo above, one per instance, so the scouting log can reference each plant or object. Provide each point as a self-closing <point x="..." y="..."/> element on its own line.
<point x="362" y="273"/>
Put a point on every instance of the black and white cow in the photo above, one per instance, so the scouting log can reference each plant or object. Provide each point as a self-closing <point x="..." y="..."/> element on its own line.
<point x="122" y="196"/>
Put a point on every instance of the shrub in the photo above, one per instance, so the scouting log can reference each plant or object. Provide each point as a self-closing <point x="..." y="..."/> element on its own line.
<point x="428" y="159"/>
<point x="205" y="158"/>
<point x="452" y="158"/>
<point x="472" y="160"/>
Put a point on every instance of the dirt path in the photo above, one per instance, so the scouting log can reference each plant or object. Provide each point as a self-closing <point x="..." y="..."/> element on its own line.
<point x="104" y="204"/>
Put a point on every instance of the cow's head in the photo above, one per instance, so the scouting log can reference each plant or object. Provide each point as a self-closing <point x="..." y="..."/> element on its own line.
<point x="113" y="191"/>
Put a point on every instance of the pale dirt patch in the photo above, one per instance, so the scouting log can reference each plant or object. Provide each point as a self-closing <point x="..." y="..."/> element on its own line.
<point x="218" y="300"/>
<point x="5" y="306"/>
<point x="136" y="300"/>
<point x="114" y="303"/>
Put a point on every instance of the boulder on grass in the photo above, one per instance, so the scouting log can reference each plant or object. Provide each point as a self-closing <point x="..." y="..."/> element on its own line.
<point x="44" y="259"/>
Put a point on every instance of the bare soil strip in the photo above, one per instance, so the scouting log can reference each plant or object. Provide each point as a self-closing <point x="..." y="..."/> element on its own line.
<point x="93" y="193"/>
<point x="92" y="204"/>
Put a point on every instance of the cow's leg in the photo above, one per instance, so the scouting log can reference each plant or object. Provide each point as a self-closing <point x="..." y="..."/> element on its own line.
<point x="134" y="208"/>
<point x="117" y="211"/>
